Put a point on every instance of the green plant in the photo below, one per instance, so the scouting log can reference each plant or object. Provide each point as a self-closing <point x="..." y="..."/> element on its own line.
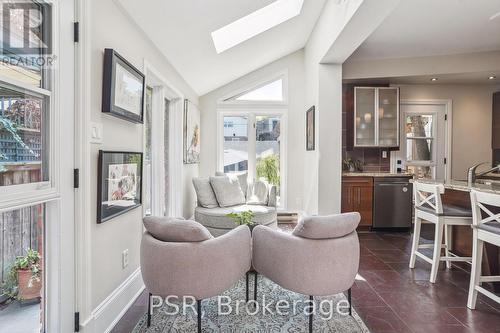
<point x="268" y="168"/>
<point x="242" y="218"/>
<point x="350" y="164"/>
<point x="30" y="261"/>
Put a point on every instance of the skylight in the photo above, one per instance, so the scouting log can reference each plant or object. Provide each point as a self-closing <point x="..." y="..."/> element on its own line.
<point x="255" y="23"/>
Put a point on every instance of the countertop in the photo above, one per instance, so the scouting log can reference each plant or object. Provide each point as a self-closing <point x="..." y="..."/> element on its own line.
<point x="460" y="185"/>
<point x="375" y="174"/>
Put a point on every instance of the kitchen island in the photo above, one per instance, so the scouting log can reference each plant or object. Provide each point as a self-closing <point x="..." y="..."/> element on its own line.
<point x="457" y="193"/>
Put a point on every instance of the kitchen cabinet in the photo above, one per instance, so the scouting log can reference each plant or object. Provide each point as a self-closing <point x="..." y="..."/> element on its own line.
<point x="376" y="117"/>
<point x="495" y="143"/>
<point x="357" y="196"/>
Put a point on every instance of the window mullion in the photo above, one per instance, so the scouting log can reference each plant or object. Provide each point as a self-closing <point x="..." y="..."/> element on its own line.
<point x="252" y="142"/>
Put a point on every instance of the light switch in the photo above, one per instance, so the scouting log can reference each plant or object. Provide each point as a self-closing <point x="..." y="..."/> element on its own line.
<point x="96" y="133"/>
<point x="384" y="153"/>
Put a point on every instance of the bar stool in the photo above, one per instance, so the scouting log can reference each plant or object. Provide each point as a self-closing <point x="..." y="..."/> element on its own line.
<point x="485" y="229"/>
<point x="429" y="208"/>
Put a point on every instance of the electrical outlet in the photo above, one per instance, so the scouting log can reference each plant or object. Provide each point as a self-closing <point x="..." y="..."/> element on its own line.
<point x="384" y="153"/>
<point x="125" y="258"/>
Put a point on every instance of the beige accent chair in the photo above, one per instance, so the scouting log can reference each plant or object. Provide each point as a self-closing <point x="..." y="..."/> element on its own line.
<point x="320" y="257"/>
<point x="181" y="258"/>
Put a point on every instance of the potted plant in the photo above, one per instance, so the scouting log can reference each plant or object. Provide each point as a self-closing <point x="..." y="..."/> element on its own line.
<point x="352" y="165"/>
<point x="24" y="280"/>
<point x="243" y="218"/>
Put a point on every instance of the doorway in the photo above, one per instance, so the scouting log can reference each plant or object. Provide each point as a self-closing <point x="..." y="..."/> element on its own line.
<point x="425" y="136"/>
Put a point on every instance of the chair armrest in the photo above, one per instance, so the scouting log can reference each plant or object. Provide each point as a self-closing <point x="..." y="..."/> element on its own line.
<point x="273" y="196"/>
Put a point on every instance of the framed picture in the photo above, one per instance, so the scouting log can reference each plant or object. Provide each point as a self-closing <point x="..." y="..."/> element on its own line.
<point x="191" y="133"/>
<point x="122" y="88"/>
<point x="119" y="183"/>
<point x="310" y="129"/>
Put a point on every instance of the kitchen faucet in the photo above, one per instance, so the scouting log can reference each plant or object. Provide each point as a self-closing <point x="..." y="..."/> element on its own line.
<point x="472" y="175"/>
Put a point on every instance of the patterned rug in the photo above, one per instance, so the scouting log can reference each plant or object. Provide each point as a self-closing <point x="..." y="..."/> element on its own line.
<point x="246" y="321"/>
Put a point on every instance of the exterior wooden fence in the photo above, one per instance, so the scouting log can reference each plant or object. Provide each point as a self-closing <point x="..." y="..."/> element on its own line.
<point x="19" y="230"/>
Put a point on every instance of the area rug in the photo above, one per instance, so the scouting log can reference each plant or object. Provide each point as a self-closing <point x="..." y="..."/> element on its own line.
<point x="247" y="321"/>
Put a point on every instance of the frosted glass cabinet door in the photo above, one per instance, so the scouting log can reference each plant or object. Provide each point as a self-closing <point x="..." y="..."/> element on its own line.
<point x="388" y="117"/>
<point x="364" y="117"/>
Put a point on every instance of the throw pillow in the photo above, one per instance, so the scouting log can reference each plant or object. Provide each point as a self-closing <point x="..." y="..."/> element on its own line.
<point x="242" y="179"/>
<point x="171" y="229"/>
<point x="260" y="193"/>
<point x="324" y="227"/>
<point x="205" y="193"/>
<point x="227" y="191"/>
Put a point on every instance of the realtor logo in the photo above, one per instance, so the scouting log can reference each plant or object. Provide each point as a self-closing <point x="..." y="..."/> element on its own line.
<point x="27" y="28"/>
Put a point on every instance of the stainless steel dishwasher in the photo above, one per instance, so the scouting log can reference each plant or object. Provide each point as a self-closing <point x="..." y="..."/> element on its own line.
<point x="392" y="202"/>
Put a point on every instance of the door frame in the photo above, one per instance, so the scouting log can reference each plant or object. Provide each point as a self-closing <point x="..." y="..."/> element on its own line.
<point x="448" y="126"/>
<point x="171" y="205"/>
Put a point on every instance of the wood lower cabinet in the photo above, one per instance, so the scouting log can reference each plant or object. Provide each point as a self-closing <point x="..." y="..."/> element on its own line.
<point x="357" y="196"/>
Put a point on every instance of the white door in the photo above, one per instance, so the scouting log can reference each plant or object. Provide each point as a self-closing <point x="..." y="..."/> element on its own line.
<point x="36" y="167"/>
<point x="423" y="139"/>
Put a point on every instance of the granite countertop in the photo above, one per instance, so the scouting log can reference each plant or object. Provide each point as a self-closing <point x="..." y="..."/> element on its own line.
<point x="461" y="185"/>
<point x="375" y="174"/>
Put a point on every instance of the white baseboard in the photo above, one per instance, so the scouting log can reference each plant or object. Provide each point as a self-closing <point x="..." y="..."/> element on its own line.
<point x="105" y="316"/>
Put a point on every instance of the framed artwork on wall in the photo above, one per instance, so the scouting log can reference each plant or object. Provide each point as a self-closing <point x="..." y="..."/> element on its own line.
<point x="122" y="88"/>
<point x="119" y="183"/>
<point x="310" y="129"/>
<point x="191" y="133"/>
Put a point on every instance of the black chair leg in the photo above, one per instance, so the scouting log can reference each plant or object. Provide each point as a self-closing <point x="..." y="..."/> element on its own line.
<point x="255" y="287"/>
<point x="149" y="310"/>
<point x="311" y="301"/>
<point x="247" y="287"/>
<point x="199" y="315"/>
<point x="349" y="300"/>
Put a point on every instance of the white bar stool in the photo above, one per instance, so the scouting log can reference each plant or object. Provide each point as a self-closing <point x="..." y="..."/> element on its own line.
<point x="485" y="229"/>
<point x="429" y="208"/>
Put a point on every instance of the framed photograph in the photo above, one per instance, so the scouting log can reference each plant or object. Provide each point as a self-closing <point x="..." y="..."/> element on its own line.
<point x="119" y="183"/>
<point x="191" y="133"/>
<point x="310" y="129"/>
<point x="122" y="88"/>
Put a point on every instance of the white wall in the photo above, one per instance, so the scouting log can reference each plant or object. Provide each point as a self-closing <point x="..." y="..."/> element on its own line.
<point x="112" y="29"/>
<point x="472" y="119"/>
<point x="294" y="64"/>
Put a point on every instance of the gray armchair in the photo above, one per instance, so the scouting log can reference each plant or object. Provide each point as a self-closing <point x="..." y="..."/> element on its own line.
<point x="181" y="258"/>
<point x="320" y="257"/>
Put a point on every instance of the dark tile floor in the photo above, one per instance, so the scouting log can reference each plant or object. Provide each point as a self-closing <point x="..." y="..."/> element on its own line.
<point x="390" y="297"/>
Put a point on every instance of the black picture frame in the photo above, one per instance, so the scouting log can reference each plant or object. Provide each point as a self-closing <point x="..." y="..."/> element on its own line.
<point x="311" y="129"/>
<point x="112" y="61"/>
<point x="108" y="208"/>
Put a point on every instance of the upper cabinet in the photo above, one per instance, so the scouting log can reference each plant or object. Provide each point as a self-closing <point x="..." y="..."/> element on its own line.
<point x="376" y="117"/>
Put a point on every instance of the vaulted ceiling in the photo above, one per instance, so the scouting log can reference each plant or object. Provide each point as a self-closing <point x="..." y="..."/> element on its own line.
<point x="182" y="32"/>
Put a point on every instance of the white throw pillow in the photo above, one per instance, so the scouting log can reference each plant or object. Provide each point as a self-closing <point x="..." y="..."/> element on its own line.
<point x="227" y="191"/>
<point x="259" y="194"/>
<point x="205" y="193"/>
<point x="242" y="179"/>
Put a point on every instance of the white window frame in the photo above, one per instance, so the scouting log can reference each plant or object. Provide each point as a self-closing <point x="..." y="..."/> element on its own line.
<point x="251" y="115"/>
<point x="283" y="75"/>
<point x="22" y="195"/>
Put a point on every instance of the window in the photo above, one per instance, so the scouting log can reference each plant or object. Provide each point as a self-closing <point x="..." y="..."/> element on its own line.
<point x="254" y="144"/>
<point x="255" y="23"/>
<point x="269" y="92"/>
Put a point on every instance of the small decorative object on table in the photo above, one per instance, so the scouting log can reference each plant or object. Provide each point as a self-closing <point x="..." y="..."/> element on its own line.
<point x="245" y="218"/>
<point x="24" y="281"/>
<point x="352" y="165"/>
